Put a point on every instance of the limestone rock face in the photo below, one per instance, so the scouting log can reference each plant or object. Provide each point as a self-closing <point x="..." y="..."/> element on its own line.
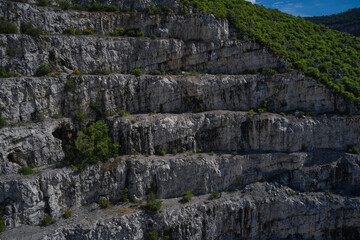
<point x="288" y="170"/>
<point x="36" y="143"/>
<point x="232" y="131"/>
<point x="55" y="190"/>
<point x="88" y="53"/>
<point x="23" y="98"/>
<point x="55" y="21"/>
<point x="241" y="215"/>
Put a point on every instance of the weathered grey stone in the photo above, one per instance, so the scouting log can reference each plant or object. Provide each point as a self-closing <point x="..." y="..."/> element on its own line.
<point x="257" y="212"/>
<point x="54" y="191"/>
<point x="22" y="98"/>
<point x="55" y="21"/>
<point x="118" y="54"/>
<point x="33" y="143"/>
<point x="232" y="131"/>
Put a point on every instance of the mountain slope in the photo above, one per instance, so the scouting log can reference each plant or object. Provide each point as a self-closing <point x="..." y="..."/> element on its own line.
<point x="330" y="57"/>
<point x="348" y="21"/>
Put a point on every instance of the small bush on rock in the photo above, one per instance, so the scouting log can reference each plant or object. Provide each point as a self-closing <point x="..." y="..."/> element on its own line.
<point x="48" y="220"/>
<point x="67" y="213"/>
<point x="353" y="150"/>
<point x="101" y="72"/>
<point x="153" y="235"/>
<point x="136" y="72"/>
<point x="91" y="145"/>
<point x="2" y="222"/>
<point x="2" y="122"/>
<point x="214" y="195"/>
<point x="99" y="7"/>
<point x="80" y="116"/>
<point x="72" y="31"/>
<point x="118" y="32"/>
<point x="187" y="196"/>
<point x="70" y="85"/>
<point x="8" y="28"/>
<point x="25" y="170"/>
<point x="43" y="2"/>
<point x="328" y="193"/>
<point x="124" y="195"/>
<point x="152" y="203"/>
<point x="30" y="30"/>
<point x="104" y="203"/>
<point x="4" y="73"/>
<point x="44" y="69"/>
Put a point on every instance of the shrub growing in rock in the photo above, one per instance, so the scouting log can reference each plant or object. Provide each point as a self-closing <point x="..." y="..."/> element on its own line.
<point x="328" y="193"/>
<point x="69" y="85"/>
<point x="25" y="170"/>
<point x="67" y="213"/>
<point x="353" y="150"/>
<point x="44" y="69"/>
<point x="99" y="7"/>
<point x="104" y="203"/>
<point x="4" y="73"/>
<point x="124" y="195"/>
<point x="2" y="122"/>
<point x="88" y="31"/>
<point x="152" y="203"/>
<point x="8" y="28"/>
<point x="30" y="30"/>
<point x="95" y="106"/>
<point x="118" y="32"/>
<point x="101" y="72"/>
<point x="80" y="116"/>
<point x="2" y="222"/>
<point x="136" y="72"/>
<point x="72" y="31"/>
<point x="153" y="235"/>
<point x="187" y="196"/>
<point x="214" y="195"/>
<point x="48" y="220"/>
<point x="92" y="144"/>
<point x="43" y="2"/>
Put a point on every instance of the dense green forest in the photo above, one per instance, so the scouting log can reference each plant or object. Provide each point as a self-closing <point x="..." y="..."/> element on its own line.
<point x="330" y="57"/>
<point x="349" y="17"/>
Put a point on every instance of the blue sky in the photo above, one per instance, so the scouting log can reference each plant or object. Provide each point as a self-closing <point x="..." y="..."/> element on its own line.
<point x="307" y="8"/>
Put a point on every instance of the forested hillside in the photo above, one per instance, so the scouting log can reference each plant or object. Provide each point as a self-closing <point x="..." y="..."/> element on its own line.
<point x="348" y="21"/>
<point x="331" y="57"/>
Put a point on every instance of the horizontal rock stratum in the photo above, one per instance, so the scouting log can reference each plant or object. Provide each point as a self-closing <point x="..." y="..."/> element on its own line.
<point x="267" y="152"/>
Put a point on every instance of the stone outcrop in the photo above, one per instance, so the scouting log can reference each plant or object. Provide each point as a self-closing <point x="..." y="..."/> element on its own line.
<point x="34" y="143"/>
<point x="256" y="212"/>
<point x="118" y="54"/>
<point x="232" y="131"/>
<point x="55" y="21"/>
<point x="55" y="190"/>
<point x="281" y="176"/>
<point x="23" y="98"/>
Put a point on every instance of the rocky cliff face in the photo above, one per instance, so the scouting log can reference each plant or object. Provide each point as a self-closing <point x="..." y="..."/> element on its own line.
<point x="281" y="171"/>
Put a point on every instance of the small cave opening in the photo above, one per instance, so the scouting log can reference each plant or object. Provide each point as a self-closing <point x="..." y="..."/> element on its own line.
<point x="17" y="157"/>
<point x="66" y="134"/>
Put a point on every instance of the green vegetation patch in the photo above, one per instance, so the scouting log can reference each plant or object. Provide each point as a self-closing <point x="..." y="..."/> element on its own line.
<point x="44" y="69"/>
<point x="8" y="28"/>
<point x="350" y="17"/>
<point x="99" y="7"/>
<point x="25" y="170"/>
<point x="330" y="57"/>
<point x="48" y="220"/>
<point x="152" y="203"/>
<point x="2" y="222"/>
<point x="92" y="144"/>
